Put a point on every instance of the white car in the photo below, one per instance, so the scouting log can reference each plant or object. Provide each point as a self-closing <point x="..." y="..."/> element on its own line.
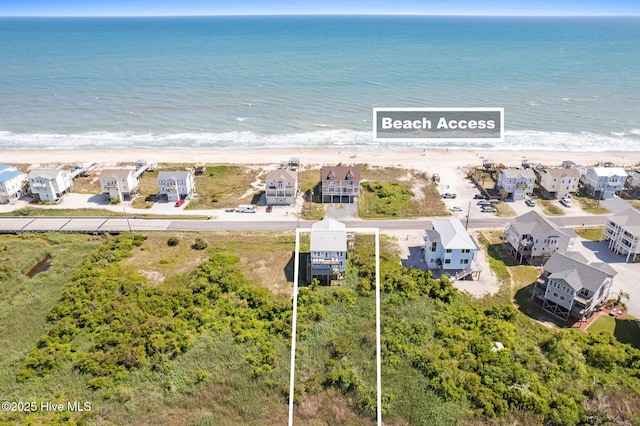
<point x="530" y="202"/>
<point x="489" y="209"/>
<point x="455" y="209"/>
<point x="565" y="202"/>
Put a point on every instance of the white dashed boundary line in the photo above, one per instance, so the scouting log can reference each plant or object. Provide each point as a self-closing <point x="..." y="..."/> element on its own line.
<point x="296" y="272"/>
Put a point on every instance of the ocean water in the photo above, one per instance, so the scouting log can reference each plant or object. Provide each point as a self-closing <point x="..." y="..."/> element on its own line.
<point x="565" y="83"/>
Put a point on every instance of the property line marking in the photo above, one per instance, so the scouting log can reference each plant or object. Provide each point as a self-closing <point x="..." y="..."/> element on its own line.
<point x="296" y="273"/>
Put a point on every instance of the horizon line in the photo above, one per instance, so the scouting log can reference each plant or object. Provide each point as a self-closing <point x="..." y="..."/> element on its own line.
<point x="400" y="14"/>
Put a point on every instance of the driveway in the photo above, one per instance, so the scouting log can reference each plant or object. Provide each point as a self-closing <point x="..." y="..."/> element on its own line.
<point x="627" y="278"/>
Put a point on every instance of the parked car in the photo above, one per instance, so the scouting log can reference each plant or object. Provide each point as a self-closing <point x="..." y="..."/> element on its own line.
<point x="565" y="202"/>
<point x="246" y="208"/>
<point x="530" y="202"/>
<point x="489" y="209"/>
<point x="455" y="209"/>
<point x="269" y="208"/>
<point x="179" y="203"/>
<point x="479" y="197"/>
<point x="483" y="203"/>
<point x="229" y="210"/>
<point x="448" y="195"/>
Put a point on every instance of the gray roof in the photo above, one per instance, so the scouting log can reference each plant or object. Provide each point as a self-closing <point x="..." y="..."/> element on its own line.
<point x="46" y="173"/>
<point x="629" y="220"/>
<point x="281" y="174"/>
<point x="175" y="175"/>
<point x="536" y="225"/>
<point x="576" y="271"/>
<point x="517" y="173"/>
<point x="328" y="235"/>
<point x="452" y="234"/>
<point x="116" y="173"/>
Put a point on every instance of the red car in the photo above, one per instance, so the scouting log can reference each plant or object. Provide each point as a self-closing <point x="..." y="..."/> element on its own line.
<point x="179" y="203"/>
<point x="269" y="208"/>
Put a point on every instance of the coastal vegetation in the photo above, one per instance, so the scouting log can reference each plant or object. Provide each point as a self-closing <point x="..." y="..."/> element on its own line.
<point x="144" y="329"/>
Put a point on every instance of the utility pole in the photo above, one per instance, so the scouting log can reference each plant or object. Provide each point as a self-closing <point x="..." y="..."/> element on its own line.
<point x="466" y="225"/>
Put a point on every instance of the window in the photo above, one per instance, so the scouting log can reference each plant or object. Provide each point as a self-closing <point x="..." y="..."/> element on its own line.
<point x="555" y="294"/>
<point x="561" y="297"/>
<point x="448" y="250"/>
<point x="447" y="261"/>
<point x="465" y="261"/>
<point x="434" y="246"/>
<point x="466" y="250"/>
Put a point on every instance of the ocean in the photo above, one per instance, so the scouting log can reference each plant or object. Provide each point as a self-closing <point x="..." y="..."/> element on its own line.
<point x="564" y="83"/>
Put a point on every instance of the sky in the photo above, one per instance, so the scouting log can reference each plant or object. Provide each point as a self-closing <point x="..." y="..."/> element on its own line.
<point x="302" y="7"/>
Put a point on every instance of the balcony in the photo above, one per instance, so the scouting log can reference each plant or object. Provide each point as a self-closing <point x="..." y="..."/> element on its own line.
<point x="332" y="261"/>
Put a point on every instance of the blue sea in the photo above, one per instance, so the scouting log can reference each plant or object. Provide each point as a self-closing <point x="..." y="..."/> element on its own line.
<point x="564" y="83"/>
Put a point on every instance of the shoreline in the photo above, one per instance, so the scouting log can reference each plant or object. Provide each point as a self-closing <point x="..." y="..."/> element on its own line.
<point x="421" y="159"/>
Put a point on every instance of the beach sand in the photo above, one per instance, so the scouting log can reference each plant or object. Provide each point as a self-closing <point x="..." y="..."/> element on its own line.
<point x="430" y="160"/>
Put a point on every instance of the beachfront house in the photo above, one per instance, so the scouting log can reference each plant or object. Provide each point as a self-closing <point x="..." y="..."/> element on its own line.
<point x="327" y="258"/>
<point x="533" y="239"/>
<point x="518" y="183"/>
<point x="176" y="185"/>
<point x="119" y="184"/>
<point x="281" y="186"/>
<point x="340" y="184"/>
<point x="572" y="288"/>
<point x="50" y="184"/>
<point x="622" y="232"/>
<point x="602" y="183"/>
<point x="634" y="183"/>
<point x="555" y="184"/>
<point x="12" y="183"/>
<point x="448" y="247"/>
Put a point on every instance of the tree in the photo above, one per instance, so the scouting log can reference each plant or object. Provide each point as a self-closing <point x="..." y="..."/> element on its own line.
<point x="503" y="194"/>
<point x="622" y="295"/>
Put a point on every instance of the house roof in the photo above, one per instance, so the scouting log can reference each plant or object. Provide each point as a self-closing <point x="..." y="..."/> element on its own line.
<point x="452" y="234"/>
<point x="560" y="173"/>
<point x="6" y="175"/>
<point x="629" y="220"/>
<point x="46" y="173"/>
<point x="609" y="171"/>
<point x="518" y="173"/>
<point x="175" y="174"/>
<point x="574" y="269"/>
<point x="536" y="225"/>
<point x="281" y="174"/>
<point x="341" y="172"/>
<point x="5" y="167"/>
<point x="116" y="173"/>
<point x="328" y="235"/>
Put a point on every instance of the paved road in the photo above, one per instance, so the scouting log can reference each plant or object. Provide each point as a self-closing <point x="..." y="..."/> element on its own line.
<point x="121" y="224"/>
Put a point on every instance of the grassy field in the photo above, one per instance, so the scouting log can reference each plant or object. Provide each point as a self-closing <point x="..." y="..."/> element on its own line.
<point x="625" y="330"/>
<point x="35" y="211"/>
<point x="504" y="210"/>
<point x="438" y="365"/>
<point x="221" y="186"/>
<point x="591" y="206"/>
<point x="550" y="207"/>
<point x="591" y="233"/>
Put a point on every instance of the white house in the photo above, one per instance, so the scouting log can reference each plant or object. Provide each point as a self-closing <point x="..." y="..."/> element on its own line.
<point x="176" y="185"/>
<point x="448" y="246"/>
<point x="11" y="183"/>
<point x="119" y="183"/>
<point x="634" y="182"/>
<point x="602" y="183"/>
<point x="281" y="186"/>
<point x="558" y="183"/>
<point x="50" y="184"/>
<point x="571" y="287"/>
<point x="533" y="238"/>
<point x="328" y="251"/>
<point x="518" y="183"/>
<point x="622" y="231"/>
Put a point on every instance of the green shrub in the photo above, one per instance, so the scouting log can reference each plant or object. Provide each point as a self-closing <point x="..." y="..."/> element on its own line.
<point x="173" y="241"/>
<point x="199" y="244"/>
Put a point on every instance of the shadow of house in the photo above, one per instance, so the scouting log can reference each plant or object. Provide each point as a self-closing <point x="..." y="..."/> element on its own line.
<point x="289" y="269"/>
<point x="531" y="308"/>
<point x="258" y="199"/>
<point x="627" y="331"/>
<point x="602" y="252"/>
<point x="100" y="199"/>
<point x="415" y="258"/>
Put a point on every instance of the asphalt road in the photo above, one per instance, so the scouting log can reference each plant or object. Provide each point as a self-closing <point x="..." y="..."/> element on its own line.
<point x="121" y="224"/>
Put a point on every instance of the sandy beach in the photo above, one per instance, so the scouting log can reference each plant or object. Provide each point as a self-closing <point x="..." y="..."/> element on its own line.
<point x="433" y="160"/>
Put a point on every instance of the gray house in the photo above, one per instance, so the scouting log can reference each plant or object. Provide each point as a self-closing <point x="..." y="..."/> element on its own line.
<point x="328" y="251"/>
<point x="571" y="287"/>
<point x="281" y="186"/>
<point x="176" y="185"/>
<point x="533" y="239"/>
<point x="518" y="183"/>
